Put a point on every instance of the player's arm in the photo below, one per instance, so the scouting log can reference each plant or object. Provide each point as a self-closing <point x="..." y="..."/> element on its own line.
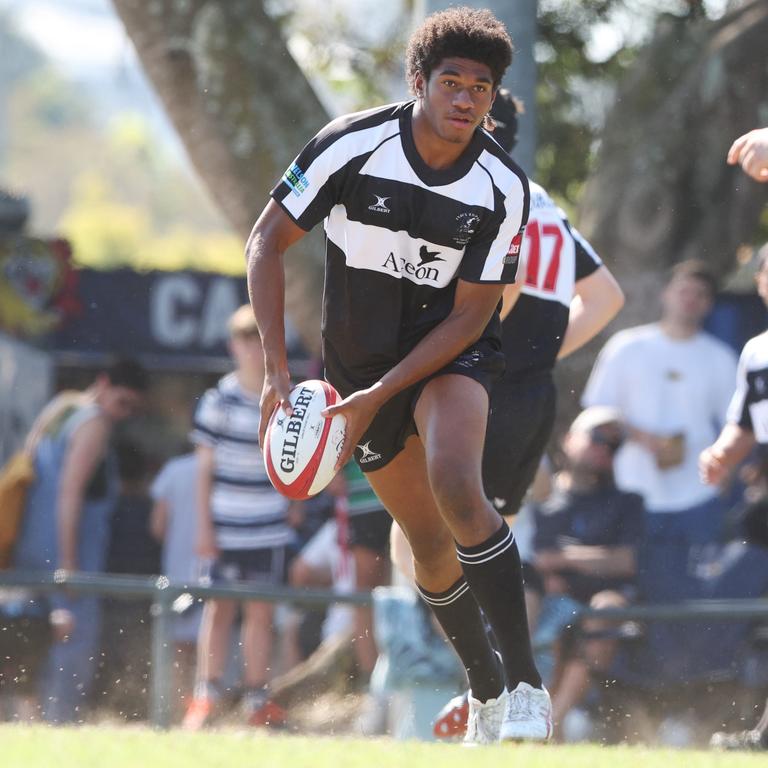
<point x="597" y="300"/>
<point x="731" y="448"/>
<point x="751" y="152"/>
<point x="474" y="304"/>
<point x="273" y="233"/>
<point x="509" y="298"/>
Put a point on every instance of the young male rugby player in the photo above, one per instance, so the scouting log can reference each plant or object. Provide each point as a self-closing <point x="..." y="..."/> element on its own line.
<point x="424" y="214"/>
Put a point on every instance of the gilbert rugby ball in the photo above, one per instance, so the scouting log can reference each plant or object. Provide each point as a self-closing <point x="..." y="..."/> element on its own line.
<point x="301" y="450"/>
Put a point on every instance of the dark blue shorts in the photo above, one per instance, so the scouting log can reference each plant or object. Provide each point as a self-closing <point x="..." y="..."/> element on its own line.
<point x="256" y="566"/>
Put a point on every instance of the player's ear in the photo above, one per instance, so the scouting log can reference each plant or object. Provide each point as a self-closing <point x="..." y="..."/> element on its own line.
<point x="419" y="83"/>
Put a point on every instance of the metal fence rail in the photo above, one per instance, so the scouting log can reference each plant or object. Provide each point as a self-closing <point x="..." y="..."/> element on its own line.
<point x="163" y="594"/>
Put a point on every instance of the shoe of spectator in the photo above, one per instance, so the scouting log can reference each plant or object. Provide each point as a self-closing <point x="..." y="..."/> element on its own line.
<point x="484" y="719"/>
<point x="742" y="740"/>
<point x="528" y="716"/>
<point x="201" y="711"/>
<point x="451" y="720"/>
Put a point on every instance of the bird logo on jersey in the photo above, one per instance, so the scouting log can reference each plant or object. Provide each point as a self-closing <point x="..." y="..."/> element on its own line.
<point x="428" y="257"/>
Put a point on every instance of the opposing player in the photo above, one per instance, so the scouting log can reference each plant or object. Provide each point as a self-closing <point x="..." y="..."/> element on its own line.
<point x="424" y="214"/>
<point x="567" y="297"/>
<point x="746" y="427"/>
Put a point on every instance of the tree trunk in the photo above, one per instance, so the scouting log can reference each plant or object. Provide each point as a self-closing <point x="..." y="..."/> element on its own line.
<point x="661" y="191"/>
<point x="243" y="110"/>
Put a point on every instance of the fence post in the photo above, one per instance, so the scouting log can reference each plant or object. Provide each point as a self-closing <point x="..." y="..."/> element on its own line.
<point x="162" y="655"/>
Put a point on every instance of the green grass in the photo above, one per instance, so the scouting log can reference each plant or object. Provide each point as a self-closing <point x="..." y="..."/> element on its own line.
<point x="129" y="747"/>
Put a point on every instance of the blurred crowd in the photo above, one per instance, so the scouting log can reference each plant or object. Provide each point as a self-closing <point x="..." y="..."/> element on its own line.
<point x="619" y="515"/>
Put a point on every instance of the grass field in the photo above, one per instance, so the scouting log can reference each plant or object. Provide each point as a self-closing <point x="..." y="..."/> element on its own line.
<point x="90" y="747"/>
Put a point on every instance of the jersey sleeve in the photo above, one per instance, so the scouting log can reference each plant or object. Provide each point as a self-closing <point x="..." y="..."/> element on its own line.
<point x="587" y="260"/>
<point x="492" y="256"/>
<point x="209" y="420"/>
<point x="738" y="412"/>
<point x="313" y="183"/>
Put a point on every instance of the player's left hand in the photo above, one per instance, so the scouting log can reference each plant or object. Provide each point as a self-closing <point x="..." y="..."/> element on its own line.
<point x="358" y="409"/>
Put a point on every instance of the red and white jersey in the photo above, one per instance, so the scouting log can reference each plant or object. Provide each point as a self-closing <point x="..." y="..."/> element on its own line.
<point x="553" y="258"/>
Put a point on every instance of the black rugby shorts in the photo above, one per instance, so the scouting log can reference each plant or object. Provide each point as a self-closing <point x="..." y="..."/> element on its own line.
<point x="393" y="424"/>
<point x="520" y="424"/>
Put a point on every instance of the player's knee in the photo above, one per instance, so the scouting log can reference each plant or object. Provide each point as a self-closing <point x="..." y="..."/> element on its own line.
<point x="431" y="552"/>
<point x="457" y="492"/>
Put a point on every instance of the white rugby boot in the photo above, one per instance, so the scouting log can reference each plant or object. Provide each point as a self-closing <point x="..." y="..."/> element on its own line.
<point x="484" y="719"/>
<point x="528" y="716"/>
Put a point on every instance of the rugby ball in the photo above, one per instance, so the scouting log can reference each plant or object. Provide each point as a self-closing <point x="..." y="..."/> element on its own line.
<point x="301" y="450"/>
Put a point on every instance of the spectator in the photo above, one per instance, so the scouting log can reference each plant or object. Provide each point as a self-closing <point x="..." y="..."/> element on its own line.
<point x="67" y="519"/>
<point x="242" y="529"/>
<point x="672" y="383"/>
<point x="123" y="679"/>
<point x="585" y="547"/>
<point x="173" y="522"/>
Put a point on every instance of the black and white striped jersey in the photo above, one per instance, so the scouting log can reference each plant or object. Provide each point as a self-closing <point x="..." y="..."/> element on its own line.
<point x="399" y="234"/>
<point x="749" y="405"/>
<point x="553" y="258"/>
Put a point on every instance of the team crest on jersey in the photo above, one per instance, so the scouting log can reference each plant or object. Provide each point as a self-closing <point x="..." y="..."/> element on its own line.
<point x="513" y="252"/>
<point x="294" y="177"/>
<point x="380" y="206"/>
<point x="468" y="222"/>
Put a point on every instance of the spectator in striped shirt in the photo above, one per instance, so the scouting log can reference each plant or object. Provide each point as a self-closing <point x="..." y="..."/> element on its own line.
<point x="243" y="529"/>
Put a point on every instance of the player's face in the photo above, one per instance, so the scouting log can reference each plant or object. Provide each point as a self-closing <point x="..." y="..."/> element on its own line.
<point x="456" y="98"/>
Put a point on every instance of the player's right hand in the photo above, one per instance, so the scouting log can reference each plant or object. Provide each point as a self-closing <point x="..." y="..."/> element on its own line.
<point x="275" y="392"/>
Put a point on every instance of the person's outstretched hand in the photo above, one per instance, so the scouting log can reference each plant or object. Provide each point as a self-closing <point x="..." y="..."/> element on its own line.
<point x="750" y="151"/>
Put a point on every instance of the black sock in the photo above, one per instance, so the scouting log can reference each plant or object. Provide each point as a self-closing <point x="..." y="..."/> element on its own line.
<point x="493" y="572"/>
<point x="461" y="620"/>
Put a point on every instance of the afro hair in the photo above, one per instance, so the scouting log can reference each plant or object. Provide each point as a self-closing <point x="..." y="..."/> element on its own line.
<point x="467" y="33"/>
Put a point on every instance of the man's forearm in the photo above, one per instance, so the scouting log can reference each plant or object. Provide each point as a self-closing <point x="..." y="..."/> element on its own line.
<point x="733" y="445"/>
<point x="266" y="289"/>
<point x="438" y="348"/>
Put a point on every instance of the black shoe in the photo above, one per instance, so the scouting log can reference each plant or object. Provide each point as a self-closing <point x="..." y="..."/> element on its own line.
<point x="743" y="740"/>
